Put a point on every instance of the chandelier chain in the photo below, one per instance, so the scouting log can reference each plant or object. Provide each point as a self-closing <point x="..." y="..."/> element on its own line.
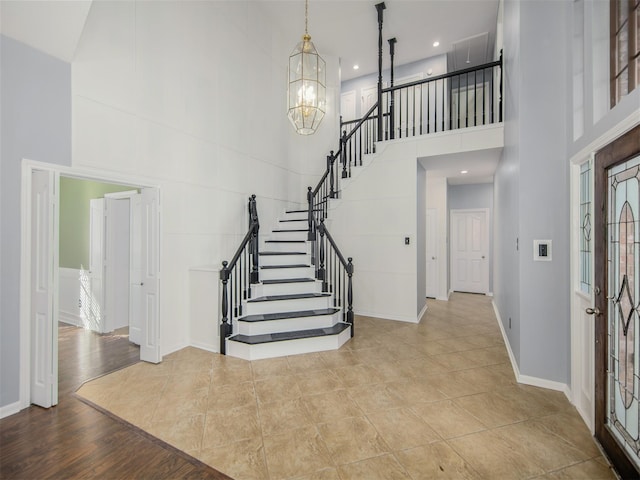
<point x="306" y="16"/>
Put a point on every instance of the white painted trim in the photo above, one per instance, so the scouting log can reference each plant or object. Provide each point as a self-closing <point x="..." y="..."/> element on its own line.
<point x="526" y="379"/>
<point x="396" y="318"/>
<point x="10" y="409"/>
<point x="206" y="347"/>
<point x="606" y="138"/>
<point x="27" y="167"/>
<point x="69" y="318"/>
<point x="423" y="311"/>
<point x="121" y="195"/>
<point x="489" y="294"/>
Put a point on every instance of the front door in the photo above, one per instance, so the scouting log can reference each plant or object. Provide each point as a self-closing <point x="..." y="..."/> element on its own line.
<point x="617" y="301"/>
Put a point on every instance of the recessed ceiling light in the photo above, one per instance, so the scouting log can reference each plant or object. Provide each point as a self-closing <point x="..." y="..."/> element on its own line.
<point x="436" y="44"/>
<point x="464" y="171"/>
<point x="356" y="67"/>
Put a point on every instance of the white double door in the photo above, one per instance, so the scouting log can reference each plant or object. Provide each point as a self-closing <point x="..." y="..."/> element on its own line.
<point x="469" y="250"/>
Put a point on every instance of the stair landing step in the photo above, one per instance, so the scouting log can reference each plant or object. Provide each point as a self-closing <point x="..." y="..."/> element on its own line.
<point x="286" y="241"/>
<point x="278" y="337"/>
<point x="262" y="317"/>
<point x="298" y="265"/>
<point x="292" y="296"/>
<point x="283" y="253"/>
<point x="287" y="280"/>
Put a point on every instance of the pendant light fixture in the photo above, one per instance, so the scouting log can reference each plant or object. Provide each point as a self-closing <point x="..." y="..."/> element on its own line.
<point x="307" y="84"/>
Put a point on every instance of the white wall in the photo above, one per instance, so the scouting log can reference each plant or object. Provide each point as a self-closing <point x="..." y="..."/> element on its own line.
<point x="421" y="238"/>
<point x="35" y="100"/>
<point x="69" y="288"/>
<point x="437" y="200"/>
<point x="190" y="96"/>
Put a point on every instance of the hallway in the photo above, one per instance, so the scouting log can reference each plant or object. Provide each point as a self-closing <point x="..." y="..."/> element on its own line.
<point x="434" y="400"/>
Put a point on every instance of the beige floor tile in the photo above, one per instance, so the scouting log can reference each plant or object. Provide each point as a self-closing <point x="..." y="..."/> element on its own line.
<point x="416" y="391"/>
<point x="570" y="427"/>
<point x="329" y="406"/>
<point x="230" y="375"/>
<point x="242" y="460"/>
<point x="493" y="410"/>
<point x="296" y="453"/>
<point x="487" y="356"/>
<point x="233" y="395"/>
<point x="447" y="419"/>
<point x="231" y="425"/>
<point x="352" y="439"/>
<point x="436" y="460"/>
<point x="324" y="474"/>
<point x="100" y="394"/>
<point x="543" y="447"/>
<point x="373" y="398"/>
<point x="136" y="410"/>
<point x="277" y="389"/>
<point x="179" y="384"/>
<point x="453" y="361"/>
<point x="355" y="375"/>
<point x="339" y="358"/>
<point x="279" y="417"/>
<point x="591" y="469"/>
<point x="270" y="367"/>
<point x="320" y="381"/>
<point x="384" y="467"/>
<point x="457" y="344"/>
<point x="184" y="434"/>
<point x="179" y="404"/>
<point x="493" y="458"/>
<point x="401" y="428"/>
<point x="308" y="362"/>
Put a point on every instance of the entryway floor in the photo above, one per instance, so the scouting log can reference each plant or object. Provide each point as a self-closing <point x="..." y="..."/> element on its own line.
<point x="433" y="400"/>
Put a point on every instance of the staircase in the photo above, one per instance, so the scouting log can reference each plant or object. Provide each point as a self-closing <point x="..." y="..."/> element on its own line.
<point x="288" y="312"/>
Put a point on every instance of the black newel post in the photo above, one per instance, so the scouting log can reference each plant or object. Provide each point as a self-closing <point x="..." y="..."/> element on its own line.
<point x="500" y="98"/>
<point x="343" y="153"/>
<point x="321" y="272"/>
<point x="380" y="7"/>
<point x="392" y="52"/>
<point x="350" y="294"/>
<point x="310" y="234"/>
<point x="331" y="159"/>
<point x="225" y="326"/>
<point x="255" y="249"/>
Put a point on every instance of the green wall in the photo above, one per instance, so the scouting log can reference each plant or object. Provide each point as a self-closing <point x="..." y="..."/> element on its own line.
<point x="75" y="195"/>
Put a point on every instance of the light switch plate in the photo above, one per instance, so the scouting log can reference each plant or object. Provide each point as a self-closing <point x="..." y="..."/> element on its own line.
<point x="542" y="250"/>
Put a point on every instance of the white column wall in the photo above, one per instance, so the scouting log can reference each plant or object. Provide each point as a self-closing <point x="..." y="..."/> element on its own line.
<point x="192" y="97"/>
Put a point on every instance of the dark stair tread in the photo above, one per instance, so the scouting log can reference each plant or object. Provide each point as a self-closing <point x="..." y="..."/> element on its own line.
<point x="295" y="220"/>
<point x="303" y="211"/>
<point x="279" y="337"/>
<point x="287" y="280"/>
<point x="286" y="241"/>
<point x="291" y="230"/>
<point x="290" y="296"/>
<point x="283" y="253"/>
<point x="297" y="265"/>
<point x="262" y="317"/>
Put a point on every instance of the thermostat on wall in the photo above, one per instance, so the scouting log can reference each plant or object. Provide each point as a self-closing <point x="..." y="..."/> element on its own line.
<point x="542" y="250"/>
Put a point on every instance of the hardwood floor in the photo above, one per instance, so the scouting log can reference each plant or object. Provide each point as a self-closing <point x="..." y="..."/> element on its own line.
<point x="75" y="440"/>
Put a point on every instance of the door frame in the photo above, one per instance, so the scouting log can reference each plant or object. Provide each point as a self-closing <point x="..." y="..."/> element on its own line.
<point x="487" y="240"/>
<point x="27" y="167"/>
<point x="583" y="155"/>
<point x="620" y="149"/>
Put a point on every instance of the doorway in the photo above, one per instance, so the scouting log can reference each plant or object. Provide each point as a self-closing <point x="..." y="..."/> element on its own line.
<point x="469" y="250"/>
<point x="40" y="281"/>
<point x="617" y="296"/>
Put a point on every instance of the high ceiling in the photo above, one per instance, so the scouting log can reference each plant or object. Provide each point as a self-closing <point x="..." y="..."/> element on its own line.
<point x="345" y="29"/>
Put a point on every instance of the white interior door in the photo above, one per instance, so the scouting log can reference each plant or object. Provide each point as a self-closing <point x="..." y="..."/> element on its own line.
<point x="348" y="105"/>
<point x="432" y="253"/>
<point x="469" y="250"/>
<point x="150" y="284"/>
<point x="93" y="307"/>
<point x="44" y="334"/>
<point x="116" y="279"/>
<point x="135" y="272"/>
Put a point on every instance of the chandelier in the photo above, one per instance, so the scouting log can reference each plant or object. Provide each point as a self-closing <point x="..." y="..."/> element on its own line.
<point x="307" y="79"/>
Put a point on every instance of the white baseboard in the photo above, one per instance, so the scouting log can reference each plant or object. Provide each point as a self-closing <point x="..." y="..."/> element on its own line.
<point x="10" y="409"/>
<point x="489" y="294"/>
<point x="422" y="312"/>
<point x="206" y="346"/>
<point x="527" y="379"/>
<point x="69" y="318"/>
<point x="387" y="317"/>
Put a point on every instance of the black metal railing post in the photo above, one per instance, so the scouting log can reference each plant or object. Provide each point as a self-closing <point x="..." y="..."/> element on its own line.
<point x="343" y="153"/>
<point x="350" y="294"/>
<point x="500" y="94"/>
<point x="321" y="271"/>
<point x="331" y="159"/>
<point x="310" y="233"/>
<point x="255" y="242"/>
<point x="392" y="51"/>
<point x="380" y="8"/>
<point x="225" y="326"/>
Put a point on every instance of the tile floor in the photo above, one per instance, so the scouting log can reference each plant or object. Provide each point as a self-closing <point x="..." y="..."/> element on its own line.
<point x="399" y="401"/>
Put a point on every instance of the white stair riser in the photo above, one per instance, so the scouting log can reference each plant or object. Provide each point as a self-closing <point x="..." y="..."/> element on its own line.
<point x="288" y="236"/>
<point x="262" y="290"/>
<point x="293" y="222"/>
<point x="287" y="347"/>
<point x="291" y="305"/>
<point x="286" y="247"/>
<point x="279" y="273"/>
<point x="288" y="324"/>
<point x="285" y="259"/>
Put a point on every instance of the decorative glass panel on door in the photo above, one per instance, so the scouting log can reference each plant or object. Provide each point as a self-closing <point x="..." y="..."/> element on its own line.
<point x="623" y="233"/>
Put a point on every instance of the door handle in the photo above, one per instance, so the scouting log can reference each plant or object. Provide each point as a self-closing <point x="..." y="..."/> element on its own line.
<point x="433" y="258"/>
<point x="593" y="311"/>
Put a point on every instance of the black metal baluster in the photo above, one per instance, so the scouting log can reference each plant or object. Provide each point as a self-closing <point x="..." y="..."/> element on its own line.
<point x="484" y="112"/>
<point x="321" y="272"/>
<point x="310" y="214"/>
<point x="350" y="315"/>
<point x="421" y="107"/>
<point x="475" y="98"/>
<point x="428" y="111"/>
<point x="224" y="326"/>
<point x="443" y="98"/>
<point x="500" y="103"/>
<point x="435" y="108"/>
<point x="343" y="153"/>
<point x="414" y="111"/>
